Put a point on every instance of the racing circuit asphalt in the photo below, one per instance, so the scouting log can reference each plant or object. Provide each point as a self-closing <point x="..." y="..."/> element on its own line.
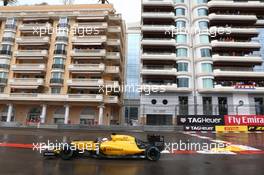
<point x="16" y="158"/>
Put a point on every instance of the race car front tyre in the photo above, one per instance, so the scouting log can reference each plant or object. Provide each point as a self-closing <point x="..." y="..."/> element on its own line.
<point x="66" y="153"/>
<point x="152" y="153"/>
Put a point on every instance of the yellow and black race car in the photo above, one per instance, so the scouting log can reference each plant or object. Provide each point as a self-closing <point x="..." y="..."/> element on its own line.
<point x="118" y="146"/>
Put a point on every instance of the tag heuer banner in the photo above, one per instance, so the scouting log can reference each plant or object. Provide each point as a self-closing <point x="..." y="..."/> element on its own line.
<point x="200" y="120"/>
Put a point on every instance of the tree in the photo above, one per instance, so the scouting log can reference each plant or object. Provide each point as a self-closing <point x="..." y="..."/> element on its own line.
<point x="6" y="2"/>
<point x="103" y="1"/>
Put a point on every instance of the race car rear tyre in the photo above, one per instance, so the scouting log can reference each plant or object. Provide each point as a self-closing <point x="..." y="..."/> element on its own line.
<point x="66" y="153"/>
<point x="153" y="153"/>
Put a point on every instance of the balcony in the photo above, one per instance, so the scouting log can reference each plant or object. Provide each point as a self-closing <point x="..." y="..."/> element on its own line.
<point x="89" y="25"/>
<point x="33" y="40"/>
<point x="88" y="53"/>
<point x="158" y="70"/>
<point x="114" y="29"/>
<point x="113" y="42"/>
<point x="35" y="27"/>
<point x="158" y="28"/>
<point x="31" y="54"/>
<point x="111" y="99"/>
<point x="89" y="40"/>
<point x="26" y="83"/>
<point x="158" y="2"/>
<point x="240" y="59"/>
<point x="158" y="15"/>
<point x="158" y="56"/>
<point x="112" y="84"/>
<point x="166" y="87"/>
<point x="158" y="41"/>
<point x="116" y="17"/>
<point x="236" y="44"/>
<point x="232" y="17"/>
<point x="28" y="68"/>
<point x="232" y="4"/>
<point x="113" y="56"/>
<point x="112" y="70"/>
<point x="53" y="97"/>
<point x="78" y="83"/>
<point x="76" y="68"/>
<point x="232" y="89"/>
<point x="238" y="73"/>
<point x="249" y="31"/>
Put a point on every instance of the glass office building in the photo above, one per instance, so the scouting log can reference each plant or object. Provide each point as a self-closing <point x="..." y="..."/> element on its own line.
<point x="132" y="96"/>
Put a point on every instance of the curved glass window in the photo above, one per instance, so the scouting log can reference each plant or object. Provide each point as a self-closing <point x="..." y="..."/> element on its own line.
<point x="180" y="12"/>
<point x="182" y="39"/>
<point x="183" y="82"/>
<point x="208" y="83"/>
<point x="180" y="24"/>
<point x="182" y="52"/>
<point x="204" y="39"/>
<point x="182" y="67"/>
<point x="207" y="68"/>
<point x="202" y="12"/>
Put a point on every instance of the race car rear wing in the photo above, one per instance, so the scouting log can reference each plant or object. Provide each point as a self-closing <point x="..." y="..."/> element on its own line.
<point x="157" y="141"/>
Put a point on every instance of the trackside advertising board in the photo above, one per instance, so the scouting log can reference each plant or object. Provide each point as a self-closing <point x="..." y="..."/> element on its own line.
<point x="246" y="120"/>
<point x="200" y="122"/>
<point x="231" y="128"/>
<point x="255" y="128"/>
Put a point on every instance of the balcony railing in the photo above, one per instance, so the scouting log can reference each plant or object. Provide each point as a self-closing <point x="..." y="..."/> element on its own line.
<point x="89" y="39"/>
<point x="85" y="82"/>
<point x="26" y="81"/>
<point x="32" y="40"/>
<point x="88" y="52"/>
<point x="28" y="67"/>
<point x="112" y="69"/>
<point x="113" y="55"/>
<point x="34" y="26"/>
<point x="111" y="99"/>
<point x="31" y="53"/>
<point x="86" y="67"/>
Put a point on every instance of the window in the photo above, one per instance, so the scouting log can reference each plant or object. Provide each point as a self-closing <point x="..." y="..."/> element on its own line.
<point x="183" y="105"/>
<point x="153" y="101"/>
<point x="10" y="21"/>
<point x="60" y="47"/>
<point x="3" y="75"/>
<point x="207" y="83"/>
<point x="63" y="20"/>
<point x="203" y="25"/>
<point x="182" y="52"/>
<point x="204" y="39"/>
<point x="55" y="90"/>
<point x="201" y="1"/>
<point x="207" y="106"/>
<point x="180" y="12"/>
<point x="182" y="67"/>
<point x="207" y="68"/>
<point x="202" y="12"/>
<point x="206" y="53"/>
<point x="182" y="39"/>
<point x="6" y="47"/>
<point x="178" y="1"/>
<point x="165" y="102"/>
<point x="56" y="75"/>
<point x="180" y="24"/>
<point x="183" y="82"/>
<point x="58" y="60"/>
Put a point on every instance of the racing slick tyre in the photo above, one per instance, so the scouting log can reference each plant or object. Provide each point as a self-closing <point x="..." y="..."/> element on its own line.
<point x="66" y="153"/>
<point x="152" y="153"/>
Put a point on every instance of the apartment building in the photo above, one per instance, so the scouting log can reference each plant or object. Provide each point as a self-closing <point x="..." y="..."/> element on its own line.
<point x="204" y="54"/>
<point x="56" y="62"/>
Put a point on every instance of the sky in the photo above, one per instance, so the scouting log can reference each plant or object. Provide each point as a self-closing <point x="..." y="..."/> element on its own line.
<point x="130" y="9"/>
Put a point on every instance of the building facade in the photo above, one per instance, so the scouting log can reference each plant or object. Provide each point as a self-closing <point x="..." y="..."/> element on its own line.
<point x="57" y="61"/>
<point x="132" y="74"/>
<point x="202" y="57"/>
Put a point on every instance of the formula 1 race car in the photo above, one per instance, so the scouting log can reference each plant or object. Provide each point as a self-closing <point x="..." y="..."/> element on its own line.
<point x="118" y="146"/>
